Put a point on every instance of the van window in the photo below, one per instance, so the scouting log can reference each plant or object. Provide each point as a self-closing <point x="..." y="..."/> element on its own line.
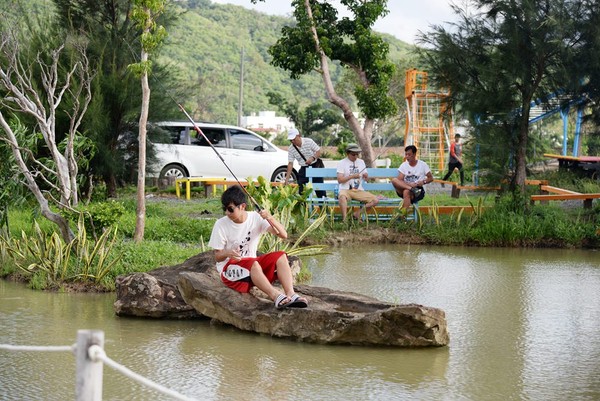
<point x="170" y="135"/>
<point x="216" y="136"/>
<point x="245" y="141"/>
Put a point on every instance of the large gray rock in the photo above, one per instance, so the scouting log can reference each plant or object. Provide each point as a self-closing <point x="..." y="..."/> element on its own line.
<point x="333" y="317"/>
<point x="155" y="294"/>
<point x="192" y="289"/>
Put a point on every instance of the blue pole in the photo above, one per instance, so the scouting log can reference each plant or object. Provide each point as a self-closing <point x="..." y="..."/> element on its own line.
<point x="577" y="130"/>
<point x="564" y="113"/>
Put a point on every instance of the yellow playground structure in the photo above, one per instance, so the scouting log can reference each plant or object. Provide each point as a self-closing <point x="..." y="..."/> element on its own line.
<point x="429" y="124"/>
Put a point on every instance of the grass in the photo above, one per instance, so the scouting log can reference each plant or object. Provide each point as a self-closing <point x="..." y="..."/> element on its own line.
<point x="487" y="198"/>
<point x="571" y="181"/>
<point x="174" y="232"/>
<point x="177" y="229"/>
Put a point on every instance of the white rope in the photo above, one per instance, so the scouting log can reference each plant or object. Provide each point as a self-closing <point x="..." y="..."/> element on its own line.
<point x="96" y="353"/>
<point x="58" y="348"/>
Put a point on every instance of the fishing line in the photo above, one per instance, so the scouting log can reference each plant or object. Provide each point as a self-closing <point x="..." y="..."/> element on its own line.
<point x="199" y="131"/>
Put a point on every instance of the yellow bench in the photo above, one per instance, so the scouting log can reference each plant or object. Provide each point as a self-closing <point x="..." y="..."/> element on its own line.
<point x="188" y="180"/>
<point x="212" y="182"/>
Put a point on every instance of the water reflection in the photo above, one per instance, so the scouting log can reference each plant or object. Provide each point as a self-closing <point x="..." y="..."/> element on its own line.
<point x="523" y="325"/>
<point x="493" y="311"/>
<point x="570" y="316"/>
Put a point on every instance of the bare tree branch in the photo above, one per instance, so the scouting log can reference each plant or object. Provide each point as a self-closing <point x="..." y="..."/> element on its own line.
<point x="24" y="97"/>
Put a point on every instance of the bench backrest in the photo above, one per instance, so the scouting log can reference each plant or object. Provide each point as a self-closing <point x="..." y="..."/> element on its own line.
<point x="330" y="174"/>
<point x="390" y="172"/>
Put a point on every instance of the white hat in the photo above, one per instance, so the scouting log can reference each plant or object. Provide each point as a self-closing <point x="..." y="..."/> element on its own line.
<point x="292" y="133"/>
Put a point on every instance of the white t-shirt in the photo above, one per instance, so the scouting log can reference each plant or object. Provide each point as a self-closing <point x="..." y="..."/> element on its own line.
<point x="347" y="168"/>
<point x="243" y="236"/>
<point x="416" y="173"/>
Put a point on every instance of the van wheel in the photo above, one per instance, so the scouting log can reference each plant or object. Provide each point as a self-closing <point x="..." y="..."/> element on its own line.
<point x="172" y="170"/>
<point x="279" y="175"/>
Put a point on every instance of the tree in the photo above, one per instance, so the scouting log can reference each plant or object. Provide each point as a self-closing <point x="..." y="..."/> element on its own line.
<point x="587" y="65"/>
<point x="320" y="38"/>
<point x="145" y="13"/>
<point x="112" y="115"/>
<point x="54" y="176"/>
<point x="499" y="57"/>
<point x="111" y="33"/>
<point x="314" y="120"/>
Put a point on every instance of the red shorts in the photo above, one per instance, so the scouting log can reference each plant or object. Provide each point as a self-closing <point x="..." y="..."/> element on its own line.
<point x="236" y="274"/>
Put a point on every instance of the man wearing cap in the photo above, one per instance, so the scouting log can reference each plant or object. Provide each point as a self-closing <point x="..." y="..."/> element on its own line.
<point x="412" y="175"/>
<point x="351" y="171"/>
<point x="305" y="151"/>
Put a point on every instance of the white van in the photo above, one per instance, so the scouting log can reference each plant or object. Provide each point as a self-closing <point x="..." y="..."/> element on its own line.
<point x="183" y="152"/>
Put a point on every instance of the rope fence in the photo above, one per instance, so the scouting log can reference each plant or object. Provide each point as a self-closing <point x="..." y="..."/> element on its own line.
<point x="39" y="348"/>
<point x="90" y="359"/>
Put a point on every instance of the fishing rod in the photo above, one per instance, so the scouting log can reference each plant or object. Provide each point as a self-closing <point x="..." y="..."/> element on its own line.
<point x="361" y="176"/>
<point x="199" y="131"/>
<point x="364" y="168"/>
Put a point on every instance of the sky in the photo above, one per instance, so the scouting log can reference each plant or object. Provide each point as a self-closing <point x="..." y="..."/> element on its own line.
<point x="404" y="20"/>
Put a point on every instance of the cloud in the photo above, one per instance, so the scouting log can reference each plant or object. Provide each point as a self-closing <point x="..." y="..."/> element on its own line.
<point x="404" y="20"/>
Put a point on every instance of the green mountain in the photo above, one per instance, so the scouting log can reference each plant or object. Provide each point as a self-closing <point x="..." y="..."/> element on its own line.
<point x="203" y="52"/>
<point x="205" y="48"/>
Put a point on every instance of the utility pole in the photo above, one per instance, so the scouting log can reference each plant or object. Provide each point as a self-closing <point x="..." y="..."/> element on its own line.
<point x="241" y="99"/>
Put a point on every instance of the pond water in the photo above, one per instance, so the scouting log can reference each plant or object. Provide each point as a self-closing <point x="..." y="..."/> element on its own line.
<point x="524" y="325"/>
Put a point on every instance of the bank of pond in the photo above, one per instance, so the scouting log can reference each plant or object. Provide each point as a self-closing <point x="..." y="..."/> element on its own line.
<point x="32" y="251"/>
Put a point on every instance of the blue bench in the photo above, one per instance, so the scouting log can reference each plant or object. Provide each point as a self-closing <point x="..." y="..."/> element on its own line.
<point x="379" y="180"/>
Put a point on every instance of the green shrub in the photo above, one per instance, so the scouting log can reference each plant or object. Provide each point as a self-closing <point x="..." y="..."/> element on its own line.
<point x="284" y="202"/>
<point x="97" y="216"/>
<point x="48" y="261"/>
<point x="289" y="208"/>
<point x="545" y="225"/>
<point x="396" y="160"/>
<point x="511" y="223"/>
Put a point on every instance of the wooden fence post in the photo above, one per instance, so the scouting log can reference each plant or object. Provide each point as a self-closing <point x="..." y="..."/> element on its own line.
<point x="88" y="383"/>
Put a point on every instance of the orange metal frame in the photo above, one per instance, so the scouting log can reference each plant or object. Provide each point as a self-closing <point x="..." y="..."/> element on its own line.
<point x="429" y="122"/>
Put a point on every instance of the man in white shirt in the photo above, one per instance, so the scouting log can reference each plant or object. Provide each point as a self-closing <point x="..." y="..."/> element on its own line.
<point x="351" y="171"/>
<point x="412" y="175"/>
